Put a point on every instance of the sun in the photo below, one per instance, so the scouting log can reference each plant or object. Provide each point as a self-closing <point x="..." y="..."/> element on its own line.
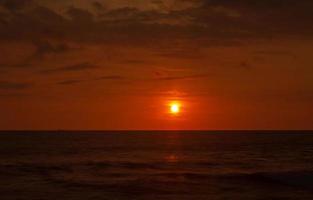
<point x="174" y="108"/>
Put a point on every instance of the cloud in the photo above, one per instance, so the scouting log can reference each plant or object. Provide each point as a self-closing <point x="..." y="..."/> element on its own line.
<point x="133" y="61"/>
<point x="121" y="78"/>
<point x="272" y="52"/>
<point x="71" y="68"/>
<point x="214" y="22"/>
<point x="7" y="85"/>
<point x="80" y="15"/>
<point x="70" y="82"/>
<point x="180" y="52"/>
<point x="13" y="95"/>
<point x="14" y="5"/>
<point x="98" y="6"/>
<point x="45" y="48"/>
<point x="112" y="77"/>
<point x="76" y="81"/>
<point x="186" y="77"/>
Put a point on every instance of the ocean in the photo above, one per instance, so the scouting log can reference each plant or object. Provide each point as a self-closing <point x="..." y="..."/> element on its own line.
<point x="118" y="165"/>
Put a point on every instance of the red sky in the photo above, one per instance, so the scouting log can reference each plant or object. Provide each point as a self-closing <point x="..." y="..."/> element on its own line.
<point x="115" y="65"/>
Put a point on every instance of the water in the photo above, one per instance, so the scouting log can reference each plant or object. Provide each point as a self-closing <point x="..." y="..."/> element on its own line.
<point x="156" y="165"/>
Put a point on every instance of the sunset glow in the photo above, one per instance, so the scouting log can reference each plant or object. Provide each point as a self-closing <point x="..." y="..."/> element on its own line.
<point x="175" y="108"/>
<point x="156" y="99"/>
<point x="156" y="65"/>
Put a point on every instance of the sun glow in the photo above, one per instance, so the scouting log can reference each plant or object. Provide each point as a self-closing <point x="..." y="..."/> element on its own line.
<point x="175" y="107"/>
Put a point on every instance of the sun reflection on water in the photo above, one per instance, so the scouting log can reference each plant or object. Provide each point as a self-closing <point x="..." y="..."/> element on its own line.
<point x="172" y="158"/>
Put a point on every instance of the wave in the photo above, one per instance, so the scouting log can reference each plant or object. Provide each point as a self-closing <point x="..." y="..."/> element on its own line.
<point x="287" y="178"/>
<point x="185" y="182"/>
<point x="100" y="172"/>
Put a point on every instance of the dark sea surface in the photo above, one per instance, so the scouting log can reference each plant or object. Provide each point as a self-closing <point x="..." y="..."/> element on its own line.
<point x="156" y="165"/>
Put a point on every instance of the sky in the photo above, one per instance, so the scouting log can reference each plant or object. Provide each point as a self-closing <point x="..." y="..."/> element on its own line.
<point x="118" y="64"/>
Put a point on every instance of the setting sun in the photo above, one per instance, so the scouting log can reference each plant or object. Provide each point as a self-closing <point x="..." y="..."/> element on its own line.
<point x="175" y="108"/>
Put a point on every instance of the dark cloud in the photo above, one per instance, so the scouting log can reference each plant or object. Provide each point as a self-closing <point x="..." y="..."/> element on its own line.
<point x="45" y="48"/>
<point x="268" y="16"/>
<point x="39" y="23"/>
<point x="14" y="4"/>
<point x="20" y="65"/>
<point x="186" y="77"/>
<point x="211" y="22"/>
<point x="120" y="78"/>
<point x="13" y="95"/>
<point x="134" y="61"/>
<point x="7" y="85"/>
<point x="3" y="20"/>
<point x="72" y="68"/>
<point x="98" y="6"/>
<point x="112" y="77"/>
<point x="132" y="15"/>
<point x="70" y="82"/>
<point x="76" y="81"/>
<point x="271" y="52"/>
<point x="181" y="53"/>
<point x="80" y="15"/>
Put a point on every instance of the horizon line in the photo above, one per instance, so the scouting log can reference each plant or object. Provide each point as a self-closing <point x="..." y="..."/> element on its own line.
<point x="155" y="130"/>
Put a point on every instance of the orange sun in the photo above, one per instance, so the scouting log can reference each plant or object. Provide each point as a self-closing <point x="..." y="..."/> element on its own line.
<point x="174" y="107"/>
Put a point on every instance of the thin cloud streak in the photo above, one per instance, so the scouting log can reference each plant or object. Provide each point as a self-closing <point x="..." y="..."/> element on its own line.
<point x="71" y="68"/>
<point x="187" y="77"/>
<point x="101" y="78"/>
<point x="7" y="85"/>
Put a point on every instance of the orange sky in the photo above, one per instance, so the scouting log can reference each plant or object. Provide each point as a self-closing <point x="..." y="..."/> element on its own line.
<point x="116" y="65"/>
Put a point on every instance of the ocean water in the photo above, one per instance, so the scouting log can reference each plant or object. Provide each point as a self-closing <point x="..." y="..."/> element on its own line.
<point x="156" y="165"/>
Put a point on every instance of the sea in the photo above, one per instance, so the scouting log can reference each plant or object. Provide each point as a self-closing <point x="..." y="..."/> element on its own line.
<point x="156" y="165"/>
